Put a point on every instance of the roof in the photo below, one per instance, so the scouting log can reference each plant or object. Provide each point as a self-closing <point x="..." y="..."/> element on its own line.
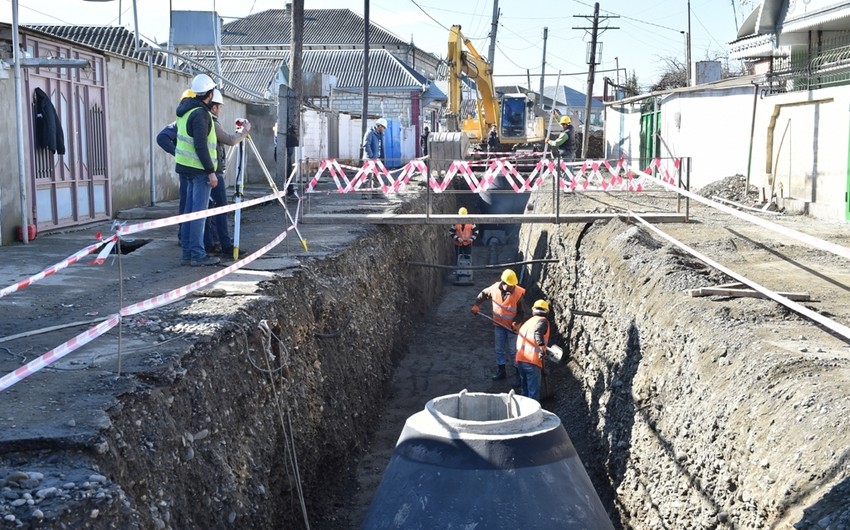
<point x="115" y="39"/>
<point x="571" y="97"/>
<point x="255" y="69"/>
<point x="722" y="84"/>
<point x="321" y="26"/>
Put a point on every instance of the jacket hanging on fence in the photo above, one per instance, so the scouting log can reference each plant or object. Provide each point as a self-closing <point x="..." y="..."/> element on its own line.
<point x="48" y="127"/>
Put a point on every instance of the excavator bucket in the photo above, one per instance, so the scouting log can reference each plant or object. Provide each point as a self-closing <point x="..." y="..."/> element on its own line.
<point x="446" y="147"/>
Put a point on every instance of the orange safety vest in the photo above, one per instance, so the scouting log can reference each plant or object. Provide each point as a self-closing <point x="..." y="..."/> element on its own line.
<point x="527" y="349"/>
<point x="505" y="311"/>
<point x="463" y="235"/>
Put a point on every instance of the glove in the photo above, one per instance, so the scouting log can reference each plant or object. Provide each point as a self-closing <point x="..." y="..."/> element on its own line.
<point x="475" y="309"/>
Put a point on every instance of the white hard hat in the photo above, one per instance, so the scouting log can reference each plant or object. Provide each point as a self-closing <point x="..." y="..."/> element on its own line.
<point x="217" y="97"/>
<point x="202" y="84"/>
<point x="382" y="122"/>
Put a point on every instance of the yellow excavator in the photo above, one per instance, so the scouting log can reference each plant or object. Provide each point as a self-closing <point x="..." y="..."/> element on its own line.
<point x="515" y="116"/>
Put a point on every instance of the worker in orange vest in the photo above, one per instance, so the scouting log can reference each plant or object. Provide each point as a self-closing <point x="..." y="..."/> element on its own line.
<point x="463" y="235"/>
<point x="531" y="343"/>
<point x="506" y="296"/>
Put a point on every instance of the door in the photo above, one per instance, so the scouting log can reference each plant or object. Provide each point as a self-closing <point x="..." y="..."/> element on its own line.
<point x="650" y="122"/>
<point x="71" y="188"/>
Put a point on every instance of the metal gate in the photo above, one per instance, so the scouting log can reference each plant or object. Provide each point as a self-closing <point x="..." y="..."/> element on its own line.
<point x="650" y="126"/>
<point x="72" y="188"/>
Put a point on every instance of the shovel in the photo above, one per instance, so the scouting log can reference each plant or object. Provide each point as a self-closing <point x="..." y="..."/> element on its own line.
<point x="554" y="352"/>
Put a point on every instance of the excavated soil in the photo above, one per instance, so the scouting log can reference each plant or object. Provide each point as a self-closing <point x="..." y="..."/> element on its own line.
<point x="713" y="412"/>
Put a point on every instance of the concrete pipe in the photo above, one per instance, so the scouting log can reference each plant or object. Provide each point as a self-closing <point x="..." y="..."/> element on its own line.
<point x="477" y="460"/>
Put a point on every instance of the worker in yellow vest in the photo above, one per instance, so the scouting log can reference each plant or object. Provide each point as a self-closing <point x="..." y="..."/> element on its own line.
<point x="197" y="161"/>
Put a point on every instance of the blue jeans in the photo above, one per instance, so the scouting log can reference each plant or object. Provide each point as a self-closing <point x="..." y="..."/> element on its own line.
<point x="529" y="378"/>
<point x="181" y="208"/>
<point x="217" y="224"/>
<point x="503" y="337"/>
<point x="192" y="233"/>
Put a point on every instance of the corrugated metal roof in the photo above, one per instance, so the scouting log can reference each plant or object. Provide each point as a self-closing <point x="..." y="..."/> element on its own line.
<point x="115" y="39"/>
<point x="321" y="26"/>
<point x="258" y="68"/>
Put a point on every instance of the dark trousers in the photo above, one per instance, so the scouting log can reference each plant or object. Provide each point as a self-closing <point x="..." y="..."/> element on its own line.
<point x="217" y="224"/>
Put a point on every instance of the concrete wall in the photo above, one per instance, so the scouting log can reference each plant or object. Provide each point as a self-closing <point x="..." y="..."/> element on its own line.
<point x="806" y="143"/>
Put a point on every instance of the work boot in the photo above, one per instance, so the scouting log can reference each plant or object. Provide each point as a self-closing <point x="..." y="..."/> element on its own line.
<point x="500" y="373"/>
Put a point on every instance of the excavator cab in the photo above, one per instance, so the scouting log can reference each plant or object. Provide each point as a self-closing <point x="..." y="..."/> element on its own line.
<point x="514" y="117"/>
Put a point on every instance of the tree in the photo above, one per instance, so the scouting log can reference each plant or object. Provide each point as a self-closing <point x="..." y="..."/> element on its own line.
<point x="674" y="74"/>
<point x="631" y="86"/>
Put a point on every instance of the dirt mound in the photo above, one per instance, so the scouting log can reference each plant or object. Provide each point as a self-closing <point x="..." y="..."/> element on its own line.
<point x="732" y="188"/>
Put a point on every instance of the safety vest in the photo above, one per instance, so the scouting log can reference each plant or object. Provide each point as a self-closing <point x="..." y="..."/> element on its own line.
<point x="505" y="311"/>
<point x="463" y="235"/>
<point x="184" y="153"/>
<point x="527" y="349"/>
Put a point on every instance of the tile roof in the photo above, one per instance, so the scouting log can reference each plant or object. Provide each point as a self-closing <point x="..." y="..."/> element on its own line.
<point x="115" y="39"/>
<point x="255" y="69"/>
<point x="321" y="26"/>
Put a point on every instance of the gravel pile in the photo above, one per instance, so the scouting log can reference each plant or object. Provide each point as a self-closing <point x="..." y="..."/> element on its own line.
<point x="732" y="189"/>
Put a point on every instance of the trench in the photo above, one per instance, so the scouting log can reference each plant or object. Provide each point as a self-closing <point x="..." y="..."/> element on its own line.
<point x="294" y="405"/>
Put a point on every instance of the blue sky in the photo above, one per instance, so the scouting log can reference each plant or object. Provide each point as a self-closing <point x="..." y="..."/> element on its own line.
<point x="648" y="29"/>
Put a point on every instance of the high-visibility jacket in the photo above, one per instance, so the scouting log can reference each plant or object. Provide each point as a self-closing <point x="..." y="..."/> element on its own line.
<point x="184" y="152"/>
<point x="504" y="311"/>
<point x="527" y="348"/>
<point x="463" y="235"/>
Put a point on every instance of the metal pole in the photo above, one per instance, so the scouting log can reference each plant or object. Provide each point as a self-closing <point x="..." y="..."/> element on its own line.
<point x="689" y="43"/>
<point x="590" y="73"/>
<point x="152" y="135"/>
<point x="365" y="102"/>
<point x="543" y="68"/>
<point x="491" y="54"/>
<point x="19" y="120"/>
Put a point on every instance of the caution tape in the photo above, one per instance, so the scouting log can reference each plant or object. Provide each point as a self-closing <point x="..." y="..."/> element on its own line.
<point x="113" y="320"/>
<point x="53" y="269"/>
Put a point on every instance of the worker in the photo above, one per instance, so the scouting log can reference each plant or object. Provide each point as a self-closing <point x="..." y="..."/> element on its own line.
<point x="424" y="141"/>
<point x="493" y="140"/>
<point x="566" y="142"/>
<point x="373" y="148"/>
<point x="167" y="140"/>
<point x="531" y="343"/>
<point x="506" y="296"/>
<point x="463" y="235"/>
<point x="217" y="224"/>
<point x="196" y="159"/>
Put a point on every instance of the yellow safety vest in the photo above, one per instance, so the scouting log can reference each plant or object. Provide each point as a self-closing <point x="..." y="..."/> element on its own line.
<point x="184" y="153"/>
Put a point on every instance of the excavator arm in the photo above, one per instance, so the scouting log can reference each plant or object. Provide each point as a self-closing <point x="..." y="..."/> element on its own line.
<point x="470" y="63"/>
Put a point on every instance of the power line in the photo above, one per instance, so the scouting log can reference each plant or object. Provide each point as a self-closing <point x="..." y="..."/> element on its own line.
<point x="429" y="15"/>
<point x="631" y="18"/>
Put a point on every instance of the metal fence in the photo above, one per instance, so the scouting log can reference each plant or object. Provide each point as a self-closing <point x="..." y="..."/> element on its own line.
<point x="821" y="64"/>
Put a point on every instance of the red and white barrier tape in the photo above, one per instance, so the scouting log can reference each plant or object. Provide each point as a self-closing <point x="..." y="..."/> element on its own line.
<point x="151" y="303"/>
<point x="53" y="269"/>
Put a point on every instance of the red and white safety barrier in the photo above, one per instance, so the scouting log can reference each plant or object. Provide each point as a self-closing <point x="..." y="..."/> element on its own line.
<point x="571" y="177"/>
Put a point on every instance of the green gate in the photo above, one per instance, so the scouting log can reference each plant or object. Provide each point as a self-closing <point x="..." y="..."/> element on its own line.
<point x="650" y="126"/>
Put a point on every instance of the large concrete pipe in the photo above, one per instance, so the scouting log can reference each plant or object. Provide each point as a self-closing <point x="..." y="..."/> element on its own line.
<point x="485" y="461"/>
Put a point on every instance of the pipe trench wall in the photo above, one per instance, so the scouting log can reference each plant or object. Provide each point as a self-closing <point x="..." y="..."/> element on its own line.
<point x="694" y="420"/>
<point x="208" y="443"/>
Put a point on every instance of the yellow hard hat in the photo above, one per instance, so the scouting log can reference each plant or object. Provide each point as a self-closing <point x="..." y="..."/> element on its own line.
<point x="187" y="94"/>
<point x="565" y="120"/>
<point x="509" y="277"/>
<point x="542" y="305"/>
<point x="462" y="211"/>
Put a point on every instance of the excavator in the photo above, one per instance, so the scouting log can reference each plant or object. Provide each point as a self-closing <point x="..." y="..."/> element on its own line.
<point x="515" y="116"/>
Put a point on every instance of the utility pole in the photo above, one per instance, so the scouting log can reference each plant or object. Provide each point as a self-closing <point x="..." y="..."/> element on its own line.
<point x="689" y="43"/>
<point x="594" y="34"/>
<point x="365" y="103"/>
<point x="293" y="126"/>
<point x="543" y="70"/>
<point x="491" y="54"/>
